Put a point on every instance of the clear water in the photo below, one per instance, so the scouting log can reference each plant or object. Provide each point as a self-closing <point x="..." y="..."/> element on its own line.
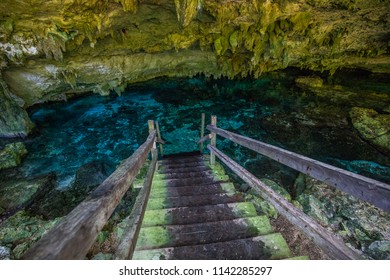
<point x="271" y="109"/>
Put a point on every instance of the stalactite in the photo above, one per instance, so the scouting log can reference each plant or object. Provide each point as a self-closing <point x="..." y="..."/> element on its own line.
<point x="187" y="10"/>
<point x="129" y="5"/>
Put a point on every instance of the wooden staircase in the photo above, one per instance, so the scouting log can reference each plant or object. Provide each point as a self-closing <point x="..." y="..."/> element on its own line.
<point x="194" y="212"/>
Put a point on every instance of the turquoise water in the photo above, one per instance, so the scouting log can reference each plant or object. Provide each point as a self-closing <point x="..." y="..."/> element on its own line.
<point x="271" y="109"/>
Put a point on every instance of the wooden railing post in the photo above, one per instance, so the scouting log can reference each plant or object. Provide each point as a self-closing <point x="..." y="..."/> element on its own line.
<point x="202" y="132"/>
<point x="213" y="139"/>
<point x="151" y="128"/>
<point x="159" y="137"/>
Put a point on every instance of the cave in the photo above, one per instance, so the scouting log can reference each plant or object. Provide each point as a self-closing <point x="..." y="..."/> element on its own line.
<point x="79" y="80"/>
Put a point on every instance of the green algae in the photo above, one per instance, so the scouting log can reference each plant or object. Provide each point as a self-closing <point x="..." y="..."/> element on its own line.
<point x="276" y="246"/>
<point x="157" y="217"/>
<point x="152" y="237"/>
<point x="243" y="209"/>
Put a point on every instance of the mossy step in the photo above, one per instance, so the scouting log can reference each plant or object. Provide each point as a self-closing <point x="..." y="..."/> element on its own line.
<point x="180" y="160"/>
<point x="182" y="182"/>
<point x="203" y="233"/>
<point x="190" y="174"/>
<point x="194" y="200"/>
<point x="299" y="258"/>
<point x="189" y="191"/>
<point x="172" y="165"/>
<point x="199" y="214"/>
<point x="265" y="247"/>
<point x="199" y="168"/>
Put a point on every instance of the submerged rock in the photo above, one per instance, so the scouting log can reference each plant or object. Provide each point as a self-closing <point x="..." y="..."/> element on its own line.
<point x="11" y="155"/>
<point x="17" y="193"/>
<point x="59" y="202"/>
<point x="372" y="126"/>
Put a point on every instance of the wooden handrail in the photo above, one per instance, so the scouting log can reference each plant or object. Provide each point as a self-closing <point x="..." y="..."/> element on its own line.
<point x="126" y="247"/>
<point x="367" y="189"/>
<point x="332" y="245"/>
<point x="204" y="139"/>
<point x="76" y="233"/>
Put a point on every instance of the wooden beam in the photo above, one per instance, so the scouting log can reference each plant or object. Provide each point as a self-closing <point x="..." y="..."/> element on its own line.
<point x="213" y="138"/>
<point x="76" y="233"/>
<point x="202" y="125"/>
<point x="370" y="190"/>
<point x="128" y="242"/>
<point x="159" y="138"/>
<point x="204" y="138"/>
<point x="331" y="244"/>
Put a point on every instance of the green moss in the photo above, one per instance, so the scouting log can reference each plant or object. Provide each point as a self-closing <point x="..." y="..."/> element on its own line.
<point x="276" y="246"/>
<point x="11" y="155"/>
<point x="157" y="217"/>
<point x="152" y="237"/>
<point x="243" y="209"/>
<point x="234" y="40"/>
<point x="300" y="21"/>
<point x="258" y="225"/>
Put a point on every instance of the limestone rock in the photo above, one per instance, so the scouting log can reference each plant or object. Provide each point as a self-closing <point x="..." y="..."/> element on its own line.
<point x="309" y="82"/>
<point x="380" y="250"/>
<point x="21" y="231"/>
<point x="262" y="206"/>
<point x="5" y="253"/>
<point x="59" y="202"/>
<point x="372" y="126"/>
<point x="313" y="207"/>
<point x="11" y="155"/>
<point x="17" y="193"/>
<point x="14" y="120"/>
<point x="277" y="188"/>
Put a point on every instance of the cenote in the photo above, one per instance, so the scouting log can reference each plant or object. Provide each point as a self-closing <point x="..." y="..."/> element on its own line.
<point x="272" y="109"/>
<point x="79" y="81"/>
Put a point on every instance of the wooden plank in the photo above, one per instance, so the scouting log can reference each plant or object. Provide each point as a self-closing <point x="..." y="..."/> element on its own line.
<point x="159" y="138"/>
<point x="126" y="247"/>
<point x="204" y="138"/>
<point x="367" y="189"/>
<point x="76" y="233"/>
<point x="202" y="125"/>
<point x="331" y="244"/>
<point x="213" y="138"/>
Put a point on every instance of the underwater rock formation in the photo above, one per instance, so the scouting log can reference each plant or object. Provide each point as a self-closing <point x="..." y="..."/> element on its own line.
<point x="11" y="155"/>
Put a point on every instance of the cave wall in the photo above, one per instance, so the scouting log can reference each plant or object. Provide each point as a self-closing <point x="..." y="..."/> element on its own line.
<point x="52" y="49"/>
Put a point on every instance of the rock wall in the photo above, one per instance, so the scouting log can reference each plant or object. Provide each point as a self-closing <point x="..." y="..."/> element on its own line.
<point x="49" y="49"/>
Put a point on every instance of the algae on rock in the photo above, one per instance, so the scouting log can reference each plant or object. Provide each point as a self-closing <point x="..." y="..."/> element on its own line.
<point x="11" y="155"/>
<point x="373" y="127"/>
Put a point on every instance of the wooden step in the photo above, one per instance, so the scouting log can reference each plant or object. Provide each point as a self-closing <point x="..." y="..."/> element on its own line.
<point x="182" y="182"/>
<point x="173" y="165"/>
<point x="178" y="170"/>
<point x="181" y="160"/>
<point x="190" y="191"/>
<point x="189" y="174"/>
<point x="194" y="200"/>
<point x="183" y="155"/>
<point x="202" y="233"/>
<point x="271" y="246"/>
<point x="200" y="214"/>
